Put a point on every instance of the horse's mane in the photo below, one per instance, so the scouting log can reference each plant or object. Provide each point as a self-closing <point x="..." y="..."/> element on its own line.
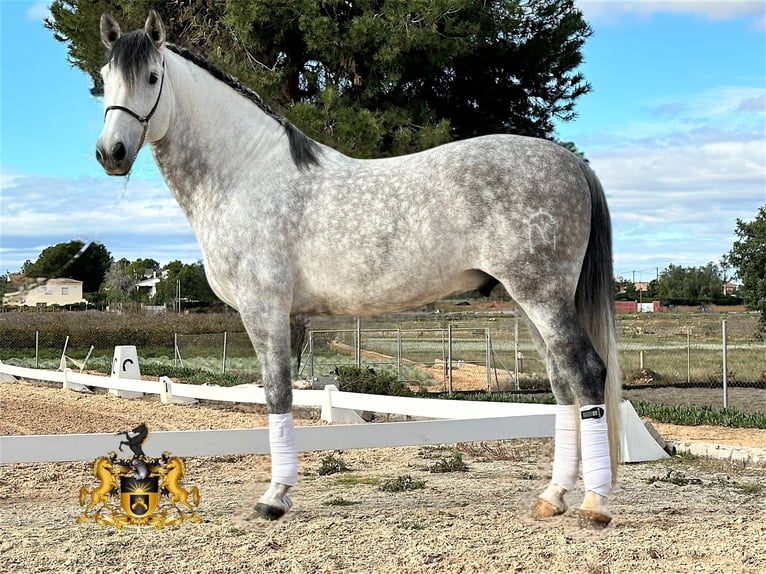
<point x="304" y="151"/>
<point x="131" y="52"/>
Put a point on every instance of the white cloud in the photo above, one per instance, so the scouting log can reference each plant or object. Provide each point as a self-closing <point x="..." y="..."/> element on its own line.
<point x="611" y="11"/>
<point x="678" y="178"/>
<point x="142" y="220"/>
<point x="38" y="11"/>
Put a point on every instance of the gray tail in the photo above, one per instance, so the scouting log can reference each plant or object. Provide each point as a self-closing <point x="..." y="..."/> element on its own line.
<point x="594" y="300"/>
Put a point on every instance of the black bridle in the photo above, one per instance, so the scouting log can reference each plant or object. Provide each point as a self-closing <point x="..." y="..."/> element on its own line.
<point x="143" y="119"/>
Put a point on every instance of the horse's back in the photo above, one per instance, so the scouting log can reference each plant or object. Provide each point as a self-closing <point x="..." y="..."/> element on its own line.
<point x="410" y="229"/>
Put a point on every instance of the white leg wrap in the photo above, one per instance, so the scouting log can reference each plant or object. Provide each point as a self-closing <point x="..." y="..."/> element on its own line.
<point x="284" y="458"/>
<point x="596" y="464"/>
<point x="566" y="455"/>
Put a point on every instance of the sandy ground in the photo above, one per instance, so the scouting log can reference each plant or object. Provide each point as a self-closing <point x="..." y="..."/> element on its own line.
<point x="678" y="515"/>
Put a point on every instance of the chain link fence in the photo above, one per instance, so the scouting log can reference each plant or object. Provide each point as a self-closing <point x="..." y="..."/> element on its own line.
<point x="694" y="358"/>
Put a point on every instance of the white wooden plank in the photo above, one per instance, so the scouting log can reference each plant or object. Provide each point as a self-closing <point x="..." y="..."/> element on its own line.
<point x="53" y="448"/>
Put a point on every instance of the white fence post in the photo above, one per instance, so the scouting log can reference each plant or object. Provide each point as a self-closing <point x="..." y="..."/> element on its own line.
<point x="125" y="366"/>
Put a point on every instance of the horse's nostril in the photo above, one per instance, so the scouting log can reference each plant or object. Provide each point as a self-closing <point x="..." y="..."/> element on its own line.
<point x="118" y="151"/>
<point x="99" y="155"/>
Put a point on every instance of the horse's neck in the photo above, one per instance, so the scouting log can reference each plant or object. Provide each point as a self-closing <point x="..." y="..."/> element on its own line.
<point x="214" y="136"/>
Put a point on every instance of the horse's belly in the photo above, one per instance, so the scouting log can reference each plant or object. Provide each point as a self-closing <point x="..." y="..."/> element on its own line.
<point x="346" y="294"/>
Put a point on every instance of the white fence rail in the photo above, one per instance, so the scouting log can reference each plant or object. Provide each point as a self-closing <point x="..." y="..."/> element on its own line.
<point x="461" y="421"/>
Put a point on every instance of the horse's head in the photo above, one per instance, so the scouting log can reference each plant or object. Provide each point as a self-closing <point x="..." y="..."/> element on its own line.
<point x="134" y="85"/>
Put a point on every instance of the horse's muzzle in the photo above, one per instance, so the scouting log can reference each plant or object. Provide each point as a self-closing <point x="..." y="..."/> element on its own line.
<point x="115" y="160"/>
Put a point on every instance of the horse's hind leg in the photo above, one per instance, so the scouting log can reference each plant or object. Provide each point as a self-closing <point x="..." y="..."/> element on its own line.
<point x="577" y="376"/>
<point x="269" y="331"/>
<point x="566" y="456"/>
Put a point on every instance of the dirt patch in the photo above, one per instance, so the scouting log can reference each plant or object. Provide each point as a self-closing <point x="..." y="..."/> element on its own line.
<point x="679" y="515"/>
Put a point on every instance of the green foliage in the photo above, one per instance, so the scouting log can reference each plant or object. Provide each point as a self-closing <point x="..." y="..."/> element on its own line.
<point x="674" y="477"/>
<point x="194" y="376"/>
<point x="402" y="484"/>
<point x="369" y="381"/>
<point x="74" y="260"/>
<point x="454" y="463"/>
<point x="694" y="415"/>
<point x="679" y="478"/>
<point x="332" y="464"/>
<point x="692" y="285"/>
<point x="340" y="501"/>
<point x="748" y="257"/>
<point x="373" y="77"/>
<point x="195" y="289"/>
<point x="151" y="335"/>
<point x="537" y="398"/>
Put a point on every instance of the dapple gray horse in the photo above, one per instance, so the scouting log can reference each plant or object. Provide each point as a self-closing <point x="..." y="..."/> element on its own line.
<point x="288" y="226"/>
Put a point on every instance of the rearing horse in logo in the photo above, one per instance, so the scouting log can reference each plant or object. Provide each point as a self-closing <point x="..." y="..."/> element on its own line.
<point x="135" y="441"/>
<point x="173" y="471"/>
<point x="104" y="471"/>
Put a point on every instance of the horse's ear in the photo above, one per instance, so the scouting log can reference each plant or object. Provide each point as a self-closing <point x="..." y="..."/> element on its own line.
<point x="110" y="30"/>
<point x="155" y="29"/>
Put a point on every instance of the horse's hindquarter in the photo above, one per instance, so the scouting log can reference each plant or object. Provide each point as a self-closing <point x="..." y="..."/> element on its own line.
<point x="412" y="229"/>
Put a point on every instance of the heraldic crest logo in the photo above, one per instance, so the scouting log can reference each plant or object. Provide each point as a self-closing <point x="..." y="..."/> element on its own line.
<point x="139" y="491"/>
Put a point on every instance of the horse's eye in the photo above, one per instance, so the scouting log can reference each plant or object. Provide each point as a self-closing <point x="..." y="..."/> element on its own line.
<point x="153" y="78"/>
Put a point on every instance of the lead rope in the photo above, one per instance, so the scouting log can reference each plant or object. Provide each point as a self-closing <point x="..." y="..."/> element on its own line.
<point x="135" y="155"/>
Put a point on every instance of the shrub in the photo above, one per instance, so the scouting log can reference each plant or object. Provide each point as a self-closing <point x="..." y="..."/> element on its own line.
<point x="369" y="381"/>
<point x="402" y="483"/>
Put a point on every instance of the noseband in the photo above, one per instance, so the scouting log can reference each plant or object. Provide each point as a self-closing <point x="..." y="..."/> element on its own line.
<point x="143" y="119"/>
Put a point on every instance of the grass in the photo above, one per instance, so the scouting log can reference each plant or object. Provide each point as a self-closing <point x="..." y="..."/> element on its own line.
<point x="679" y="478"/>
<point x="402" y="483"/>
<point x="454" y="463"/>
<point x="340" y="501"/>
<point x="693" y="415"/>
<point x="332" y="464"/>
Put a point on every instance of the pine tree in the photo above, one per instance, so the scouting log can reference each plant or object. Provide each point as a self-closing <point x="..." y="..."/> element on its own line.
<point x="372" y="77"/>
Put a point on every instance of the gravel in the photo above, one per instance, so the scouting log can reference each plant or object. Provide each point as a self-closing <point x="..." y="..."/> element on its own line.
<point x="679" y="515"/>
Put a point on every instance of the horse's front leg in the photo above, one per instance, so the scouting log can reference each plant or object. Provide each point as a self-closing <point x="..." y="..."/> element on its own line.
<point x="269" y="331"/>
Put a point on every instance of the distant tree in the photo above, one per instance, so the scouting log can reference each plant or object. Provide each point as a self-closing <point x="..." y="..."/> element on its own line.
<point x="118" y="282"/>
<point x="193" y="283"/>
<point x="373" y="77"/>
<point x="748" y="257"/>
<point x="691" y="285"/>
<point x="140" y="266"/>
<point x="625" y="289"/>
<point x="652" y="290"/>
<point x="75" y="260"/>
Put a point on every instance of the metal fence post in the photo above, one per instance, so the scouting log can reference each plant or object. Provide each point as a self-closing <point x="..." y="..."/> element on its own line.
<point x="688" y="355"/>
<point x="37" y="349"/>
<point x="449" y="358"/>
<point x="516" y="353"/>
<point x="725" y="365"/>
<point x="399" y="354"/>
<point x="311" y="356"/>
<point x="488" y="359"/>
<point x="358" y="343"/>
<point x="223" y="361"/>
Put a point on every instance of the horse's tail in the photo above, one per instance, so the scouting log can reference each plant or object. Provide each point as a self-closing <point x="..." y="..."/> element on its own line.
<point x="594" y="300"/>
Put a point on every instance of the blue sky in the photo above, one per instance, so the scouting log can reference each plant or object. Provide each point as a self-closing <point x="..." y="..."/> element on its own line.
<point x="675" y="127"/>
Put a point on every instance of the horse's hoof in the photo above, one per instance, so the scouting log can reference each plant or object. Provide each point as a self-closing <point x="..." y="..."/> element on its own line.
<point x="269" y="512"/>
<point x="593" y="520"/>
<point x="546" y="509"/>
<point x="275" y="503"/>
